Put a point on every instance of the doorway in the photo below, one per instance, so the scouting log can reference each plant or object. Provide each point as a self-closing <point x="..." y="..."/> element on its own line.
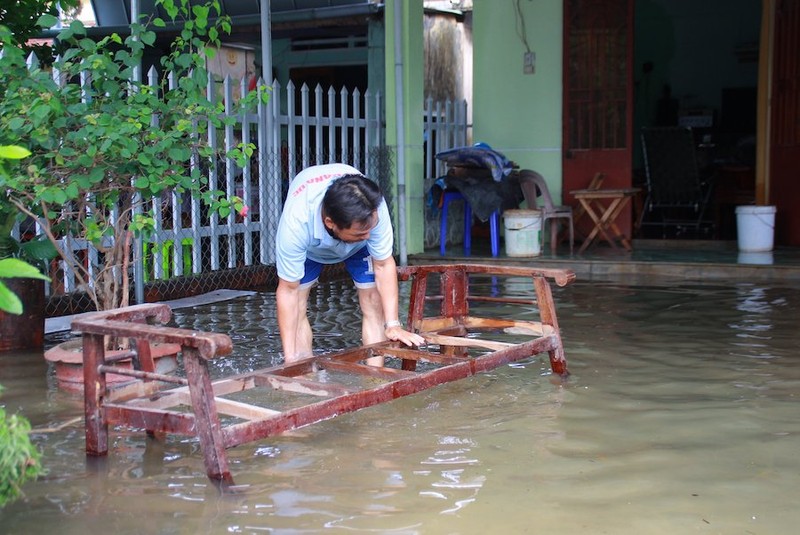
<point x="598" y="96"/>
<point x="696" y="65"/>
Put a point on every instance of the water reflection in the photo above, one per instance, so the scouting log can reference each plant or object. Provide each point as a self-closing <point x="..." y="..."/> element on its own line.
<point x="681" y="416"/>
<point x="762" y="258"/>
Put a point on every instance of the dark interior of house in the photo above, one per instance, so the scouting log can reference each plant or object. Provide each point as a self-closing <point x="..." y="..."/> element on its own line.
<point x="696" y="65"/>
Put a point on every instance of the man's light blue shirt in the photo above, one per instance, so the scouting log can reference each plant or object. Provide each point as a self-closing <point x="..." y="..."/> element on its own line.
<point x="302" y="233"/>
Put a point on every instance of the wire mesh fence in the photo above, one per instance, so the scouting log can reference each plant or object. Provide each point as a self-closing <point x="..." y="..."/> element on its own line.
<point x="192" y="251"/>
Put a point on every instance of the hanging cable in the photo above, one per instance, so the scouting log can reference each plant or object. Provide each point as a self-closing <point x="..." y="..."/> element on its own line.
<point x="522" y="33"/>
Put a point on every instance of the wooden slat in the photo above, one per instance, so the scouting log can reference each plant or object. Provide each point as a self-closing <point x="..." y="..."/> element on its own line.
<point x="299" y="385"/>
<point x="167" y="399"/>
<point x="562" y="277"/>
<point x="208" y="345"/>
<point x="379" y="372"/>
<point x="294" y="369"/>
<point x="464" y="342"/>
<point x="177" y="396"/>
<point x="492" y="360"/>
<point x="535" y="328"/>
<point x="509" y="300"/>
<point x="135" y="389"/>
<point x="424" y="356"/>
<point x="439" y="323"/>
<point x="138" y="374"/>
<point x="230" y="385"/>
<point x="230" y="407"/>
<point x="547" y="312"/>
<point x="245" y="411"/>
<point x="355" y="355"/>
<point x="179" y="423"/>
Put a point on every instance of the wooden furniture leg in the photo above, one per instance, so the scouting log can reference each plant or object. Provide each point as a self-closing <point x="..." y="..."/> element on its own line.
<point x="209" y="428"/>
<point x="94" y="388"/>
<point x="547" y="313"/>
<point x="454" y="304"/>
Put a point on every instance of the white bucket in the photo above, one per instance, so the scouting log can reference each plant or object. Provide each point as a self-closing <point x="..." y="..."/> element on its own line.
<point x="523" y="230"/>
<point x="755" y="227"/>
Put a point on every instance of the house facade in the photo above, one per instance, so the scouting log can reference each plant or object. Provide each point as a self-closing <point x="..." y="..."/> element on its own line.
<point x="537" y="67"/>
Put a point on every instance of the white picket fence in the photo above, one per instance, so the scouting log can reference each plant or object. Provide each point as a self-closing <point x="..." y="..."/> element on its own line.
<point x="296" y="128"/>
<point x="445" y="128"/>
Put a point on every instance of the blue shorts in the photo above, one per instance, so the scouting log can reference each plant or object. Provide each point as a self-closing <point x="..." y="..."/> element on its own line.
<point x="358" y="265"/>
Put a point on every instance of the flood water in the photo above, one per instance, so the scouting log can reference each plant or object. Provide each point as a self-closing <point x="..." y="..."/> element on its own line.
<point x="681" y="416"/>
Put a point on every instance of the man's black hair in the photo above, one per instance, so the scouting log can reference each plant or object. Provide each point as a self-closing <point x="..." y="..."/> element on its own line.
<point x="351" y="199"/>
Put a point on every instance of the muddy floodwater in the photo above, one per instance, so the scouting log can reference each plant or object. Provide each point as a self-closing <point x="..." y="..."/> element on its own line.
<point x="681" y="416"/>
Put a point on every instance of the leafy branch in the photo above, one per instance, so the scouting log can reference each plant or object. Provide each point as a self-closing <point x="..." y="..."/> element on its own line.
<point x="105" y="145"/>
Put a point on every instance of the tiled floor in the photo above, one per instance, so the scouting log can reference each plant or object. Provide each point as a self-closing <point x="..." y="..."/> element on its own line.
<point x="681" y="259"/>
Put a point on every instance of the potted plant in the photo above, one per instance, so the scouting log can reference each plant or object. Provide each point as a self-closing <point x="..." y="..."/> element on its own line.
<point x="104" y="145"/>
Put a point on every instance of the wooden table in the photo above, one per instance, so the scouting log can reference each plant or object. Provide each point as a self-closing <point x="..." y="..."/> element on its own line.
<point x="604" y="206"/>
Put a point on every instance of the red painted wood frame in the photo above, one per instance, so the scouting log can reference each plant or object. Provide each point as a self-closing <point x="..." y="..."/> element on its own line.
<point x="457" y="348"/>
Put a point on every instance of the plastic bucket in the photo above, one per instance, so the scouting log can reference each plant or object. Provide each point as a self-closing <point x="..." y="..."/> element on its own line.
<point x="523" y="229"/>
<point x="755" y="227"/>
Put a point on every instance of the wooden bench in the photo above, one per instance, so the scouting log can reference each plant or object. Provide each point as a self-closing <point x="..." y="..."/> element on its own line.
<point x="196" y="406"/>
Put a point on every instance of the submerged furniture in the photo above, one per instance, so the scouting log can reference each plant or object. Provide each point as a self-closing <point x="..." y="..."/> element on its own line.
<point x="533" y="184"/>
<point x="449" y="196"/>
<point x="676" y="194"/>
<point x="604" y="206"/>
<point x="295" y="395"/>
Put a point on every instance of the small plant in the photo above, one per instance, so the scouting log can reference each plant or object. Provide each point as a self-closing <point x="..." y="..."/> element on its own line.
<point x="19" y="458"/>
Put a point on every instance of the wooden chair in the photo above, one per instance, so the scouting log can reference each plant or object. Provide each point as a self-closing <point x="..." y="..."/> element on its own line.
<point x="533" y="184"/>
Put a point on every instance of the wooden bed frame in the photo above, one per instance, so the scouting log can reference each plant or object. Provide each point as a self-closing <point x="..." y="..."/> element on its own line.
<point x="197" y="406"/>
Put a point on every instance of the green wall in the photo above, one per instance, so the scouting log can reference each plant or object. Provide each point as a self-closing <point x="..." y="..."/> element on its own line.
<point x="519" y="114"/>
<point x="413" y="107"/>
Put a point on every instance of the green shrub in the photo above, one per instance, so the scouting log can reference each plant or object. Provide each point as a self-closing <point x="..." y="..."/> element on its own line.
<point x="103" y="150"/>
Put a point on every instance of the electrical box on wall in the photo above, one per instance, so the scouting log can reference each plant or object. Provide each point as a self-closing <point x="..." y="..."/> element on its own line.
<point x="529" y="63"/>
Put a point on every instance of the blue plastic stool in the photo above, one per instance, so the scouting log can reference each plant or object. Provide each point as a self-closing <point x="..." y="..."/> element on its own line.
<point x="494" y="224"/>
